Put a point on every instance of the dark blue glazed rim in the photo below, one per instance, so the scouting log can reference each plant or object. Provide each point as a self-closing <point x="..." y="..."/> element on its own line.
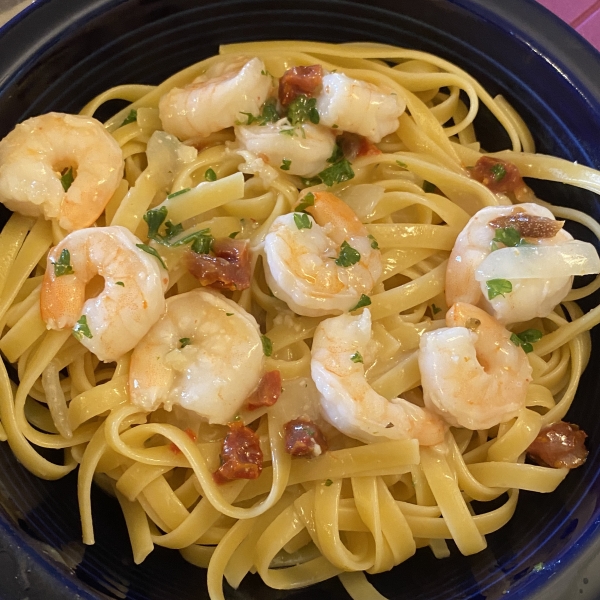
<point x="58" y="54"/>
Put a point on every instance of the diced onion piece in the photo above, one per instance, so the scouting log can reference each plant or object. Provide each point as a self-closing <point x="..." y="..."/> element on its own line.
<point x="540" y="262"/>
<point x="55" y="398"/>
<point x="363" y="198"/>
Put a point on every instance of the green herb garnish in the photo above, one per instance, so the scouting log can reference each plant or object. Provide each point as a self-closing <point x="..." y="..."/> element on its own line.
<point x="267" y="345"/>
<point x="328" y="482"/>
<point x="374" y="243"/>
<point x="336" y="155"/>
<point x="526" y="338"/>
<point x="303" y="109"/>
<point x="63" y="265"/>
<point x="66" y="178"/>
<point x="120" y="283"/>
<point x="498" y="171"/>
<point x="401" y="164"/>
<point x="291" y="132"/>
<point x="310" y="181"/>
<point x="435" y="309"/>
<point x="498" y="287"/>
<point x="130" y="118"/>
<point x="302" y="221"/>
<point x="229" y="314"/>
<point x="357" y="357"/>
<point x="172" y="231"/>
<point x="509" y="236"/>
<point x="285" y="164"/>
<point x="155" y="218"/>
<point x="175" y="194"/>
<point x="184" y="342"/>
<point x="268" y="114"/>
<point x="348" y="256"/>
<point x="153" y="252"/>
<point x="202" y="244"/>
<point x="82" y="329"/>
<point x="340" y="171"/>
<point x="210" y="175"/>
<point x="363" y="301"/>
<point x="233" y="234"/>
<point x="307" y="200"/>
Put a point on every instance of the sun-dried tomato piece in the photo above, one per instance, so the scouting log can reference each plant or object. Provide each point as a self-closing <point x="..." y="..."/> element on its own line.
<point x="267" y="392"/>
<point x="304" y="438"/>
<point x="298" y="81"/>
<point x="559" y="445"/>
<point x="241" y="456"/>
<point x="498" y="175"/>
<point x="354" y="146"/>
<point x="528" y="226"/>
<point x="228" y="269"/>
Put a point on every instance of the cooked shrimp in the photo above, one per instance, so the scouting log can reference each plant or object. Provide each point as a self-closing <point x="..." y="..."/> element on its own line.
<point x="33" y="155"/>
<point x="216" y="100"/>
<point x="324" y="267"/>
<point x="359" y="107"/>
<point x="302" y="150"/>
<point x="472" y="374"/>
<point x="530" y="297"/>
<point x="204" y="354"/>
<point x="132" y="299"/>
<point x="348" y="402"/>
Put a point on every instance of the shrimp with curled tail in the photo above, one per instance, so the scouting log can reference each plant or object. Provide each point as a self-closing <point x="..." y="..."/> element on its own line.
<point x="347" y="400"/>
<point x="516" y="262"/>
<point x="37" y="151"/>
<point x="472" y="374"/>
<point x="217" y="99"/>
<point x="131" y="301"/>
<point x="321" y="263"/>
<point x="204" y="354"/>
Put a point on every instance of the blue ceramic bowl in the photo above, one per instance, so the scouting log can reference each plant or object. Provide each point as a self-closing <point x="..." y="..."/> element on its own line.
<point x="60" y="53"/>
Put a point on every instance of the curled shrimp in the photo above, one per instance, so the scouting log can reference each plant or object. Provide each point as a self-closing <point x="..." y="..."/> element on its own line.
<point x="472" y="374"/>
<point x="358" y="106"/>
<point x="322" y="263"/>
<point x="204" y="354"/>
<point x="35" y="152"/>
<point x="131" y="300"/>
<point x="302" y="150"/>
<point x="216" y="100"/>
<point x="522" y="297"/>
<point x="348" y="402"/>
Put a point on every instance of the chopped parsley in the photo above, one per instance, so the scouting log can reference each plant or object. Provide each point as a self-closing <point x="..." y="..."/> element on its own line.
<point x="310" y="181"/>
<point x="498" y="287"/>
<point x="172" y="230"/>
<point x="374" y="243"/>
<point x="267" y="345"/>
<point x="328" y="482"/>
<point x="526" y="338"/>
<point x="509" y="236"/>
<point x="184" y="342"/>
<point x="302" y="221"/>
<point x="210" y="175"/>
<point x="175" y="194"/>
<point x="363" y="301"/>
<point x="130" y="118"/>
<point x="402" y="164"/>
<point x="153" y="252"/>
<point x="348" y="255"/>
<point x="435" y="309"/>
<point x="155" y="218"/>
<point x="285" y="164"/>
<point x="291" y="132"/>
<point x="303" y="109"/>
<point x="268" y="114"/>
<point x="229" y="314"/>
<point x="357" y="357"/>
<point x="120" y="283"/>
<point x="233" y="234"/>
<point x="428" y="187"/>
<point x="337" y="173"/>
<point x="336" y="155"/>
<point x="66" y="178"/>
<point x="63" y="265"/>
<point x="308" y="200"/>
<point x="82" y="329"/>
<point x="202" y="244"/>
<point x="498" y="171"/>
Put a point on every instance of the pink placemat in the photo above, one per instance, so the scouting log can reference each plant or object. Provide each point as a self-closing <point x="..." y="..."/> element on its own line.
<point x="582" y="15"/>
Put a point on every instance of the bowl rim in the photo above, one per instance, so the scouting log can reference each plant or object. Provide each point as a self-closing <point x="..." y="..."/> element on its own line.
<point x="36" y="28"/>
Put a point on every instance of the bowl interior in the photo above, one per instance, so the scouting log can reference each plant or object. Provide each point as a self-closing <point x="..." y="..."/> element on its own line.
<point x="63" y="52"/>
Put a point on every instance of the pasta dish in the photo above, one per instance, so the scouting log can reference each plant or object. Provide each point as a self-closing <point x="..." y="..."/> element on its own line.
<point x="289" y="312"/>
